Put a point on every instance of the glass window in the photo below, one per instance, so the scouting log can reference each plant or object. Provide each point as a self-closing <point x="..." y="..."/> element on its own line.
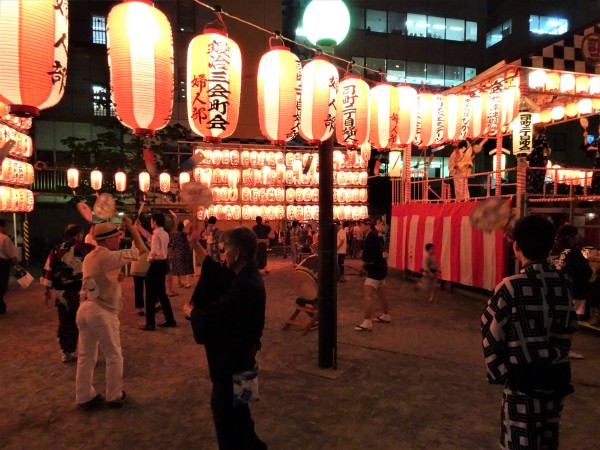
<point x="435" y="74"/>
<point x="377" y="21"/>
<point x="454" y="75"/>
<point x="455" y="30"/>
<point x="507" y="28"/>
<point x="470" y="72"/>
<point x="396" y="71"/>
<point x="416" y="73"/>
<point x="436" y="27"/>
<point x="101" y="102"/>
<point x="186" y="17"/>
<point x="358" y="60"/>
<point x="357" y="18"/>
<point x="99" y="30"/>
<point x="397" y="22"/>
<point x="416" y="25"/>
<point x="494" y="36"/>
<point x="471" y="34"/>
<point x="375" y="64"/>
<point x="548" y="25"/>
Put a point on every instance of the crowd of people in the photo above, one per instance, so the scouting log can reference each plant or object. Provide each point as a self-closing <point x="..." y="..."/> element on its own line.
<point x="83" y="276"/>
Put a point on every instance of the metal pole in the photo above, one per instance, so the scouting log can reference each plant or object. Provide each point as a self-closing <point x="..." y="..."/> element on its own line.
<point x="327" y="261"/>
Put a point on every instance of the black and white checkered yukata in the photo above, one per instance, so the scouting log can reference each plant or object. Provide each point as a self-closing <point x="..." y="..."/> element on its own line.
<point x="525" y="329"/>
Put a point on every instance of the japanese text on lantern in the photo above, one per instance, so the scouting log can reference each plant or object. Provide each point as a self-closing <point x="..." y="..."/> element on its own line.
<point x="466" y="118"/>
<point x="59" y="70"/>
<point x="493" y="117"/>
<point x="591" y="49"/>
<point x="330" y="121"/>
<point x="440" y="118"/>
<point x="349" y="113"/>
<point x="523" y="142"/>
<point x="217" y="86"/>
<point x="294" y="131"/>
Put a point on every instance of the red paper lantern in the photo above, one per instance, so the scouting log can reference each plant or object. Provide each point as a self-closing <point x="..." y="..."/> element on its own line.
<point x="34" y="45"/>
<point x="384" y="104"/>
<point x="430" y="119"/>
<point x="279" y="88"/>
<point x="120" y="181"/>
<point x="214" y="79"/>
<point x="407" y="114"/>
<point x="479" y="110"/>
<point x="140" y="58"/>
<point x="96" y="180"/>
<point x="319" y="89"/>
<point x="352" y="119"/>
<point x="144" y="181"/>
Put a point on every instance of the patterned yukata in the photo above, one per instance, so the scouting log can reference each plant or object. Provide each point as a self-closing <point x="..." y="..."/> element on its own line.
<point x="525" y="329"/>
<point x="537" y="158"/>
<point x="63" y="273"/>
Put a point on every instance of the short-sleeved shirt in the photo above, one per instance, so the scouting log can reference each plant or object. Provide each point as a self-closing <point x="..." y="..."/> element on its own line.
<point x="101" y="269"/>
<point x="341" y="237"/>
<point x="375" y="263"/>
<point x="7" y="247"/>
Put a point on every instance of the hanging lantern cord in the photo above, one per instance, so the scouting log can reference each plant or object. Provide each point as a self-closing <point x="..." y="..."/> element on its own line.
<point x="219" y="22"/>
<point x="276" y="37"/>
<point x="349" y="68"/>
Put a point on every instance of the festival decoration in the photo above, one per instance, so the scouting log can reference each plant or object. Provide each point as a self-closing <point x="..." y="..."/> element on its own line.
<point x="319" y="88"/>
<point x="140" y="59"/>
<point x="34" y="42"/>
<point x="144" y="181"/>
<point x="96" y="179"/>
<point x="164" y="181"/>
<point x="279" y="89"/>
<point x="384" y="105"/>
<point x="120" y="181"/>
<point x="214" y="78"/>
<point x="353" y="114"/>
<point x="184" y="177"/>
<point x="73" y="178"/>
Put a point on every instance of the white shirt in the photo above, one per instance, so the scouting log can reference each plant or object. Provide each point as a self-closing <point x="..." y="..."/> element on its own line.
<point x="101" y="268"/>
<point x="159" y="245"/>
<point x="341" y="241"/>
<point x="7" y="247"/>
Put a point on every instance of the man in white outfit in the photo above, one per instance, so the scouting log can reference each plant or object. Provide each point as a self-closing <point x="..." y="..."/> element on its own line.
<point x="98" y="315"/>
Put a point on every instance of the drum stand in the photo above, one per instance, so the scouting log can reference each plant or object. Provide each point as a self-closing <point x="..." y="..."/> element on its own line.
<point x="311" y="309"/>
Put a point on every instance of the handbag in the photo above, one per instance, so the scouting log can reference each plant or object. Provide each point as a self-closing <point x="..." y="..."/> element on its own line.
<point x="24" y="278"/>
<point x="245" y="387"/>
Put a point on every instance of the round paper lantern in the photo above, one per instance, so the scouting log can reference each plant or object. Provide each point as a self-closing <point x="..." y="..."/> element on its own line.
<point x="537" y="79"/>
<point x="452" y="116"/>
<point x="545" y="116"/>
<point x="594" y="85"/>
<point x="384" y="104"/>
<point x="571" y="110"/>
<point x="429" y="106"/>
<point x="511" y="98"/>
<point x="353" y="115"/>
<point x="365" y="151"/>
<point x="558" y="112"/>
<point x="140" y="58"/>
<point x="96" y="180"/>
<point x="407" y="114"/>
<point x="582" y="84"/>
<point x="144" y="181"/>
<point x="73" y="178"/>
<point x="164" y="180"/>
<point x="319" y="89"/>
<point x="279" y="88"/>
<point x="120" y="181"/>
<point x="596" y="103"/>
<point x="552" y="82"/>
<point x="184" y="177"/>
<point x="479" y="109"/>
<point x="584" y="106"/>
<point x="567" y="83"/>
<point x="214" y="79"/>
<point x="34" y="45"/>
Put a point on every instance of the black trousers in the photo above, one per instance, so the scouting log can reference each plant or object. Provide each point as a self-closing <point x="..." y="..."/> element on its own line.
<point x="341" y="257"/>
<point x="261" y="255"/>
<point x="138" y="288"/>
<point x="4" y="274"/>
<point x="234" y="426"/>
<point x="68" y="333"/>
<point x="156" y="291"/>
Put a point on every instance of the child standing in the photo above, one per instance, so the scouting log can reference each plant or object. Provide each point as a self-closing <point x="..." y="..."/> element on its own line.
<point x="430" y="270"/>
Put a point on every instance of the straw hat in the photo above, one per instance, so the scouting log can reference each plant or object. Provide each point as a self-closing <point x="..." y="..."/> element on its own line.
<point x="105" y="230"/>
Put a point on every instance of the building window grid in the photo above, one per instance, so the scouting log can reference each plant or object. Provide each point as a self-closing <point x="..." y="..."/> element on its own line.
<point x="99" y="30"/>
<point x="415" y="25"/>
<point x="499" y="33"/>
<point x="102" y="106"/>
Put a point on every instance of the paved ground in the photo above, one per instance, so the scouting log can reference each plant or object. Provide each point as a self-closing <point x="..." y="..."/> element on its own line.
<point x="417" y="383"/>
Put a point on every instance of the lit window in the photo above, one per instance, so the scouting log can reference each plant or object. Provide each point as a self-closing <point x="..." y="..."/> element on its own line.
<point x="377" y="21"/>
<point x="499" y="33"/>
<point x="548" y="25"/>
<point x="455" y="30"/>
<point x="103" y="107"/>
<point x="436" y="27"/>
<point x="471" y="35"/>
<point x="99" y="30"/>
<point x="416" y="25"/>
